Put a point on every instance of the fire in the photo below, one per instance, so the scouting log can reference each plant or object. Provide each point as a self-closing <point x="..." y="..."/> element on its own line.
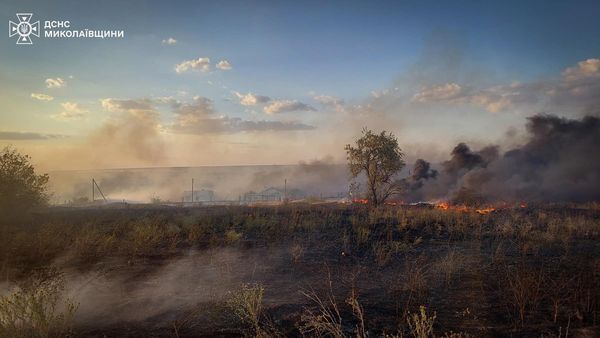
<point x="463" y="208"/>
<point x="485" y="211"/>
<point x="448" y="206"/>
<point x="443" y="205"/>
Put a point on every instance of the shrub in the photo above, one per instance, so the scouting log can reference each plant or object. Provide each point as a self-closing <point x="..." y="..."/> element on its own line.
<point x="382" y="253"/>
<point x="20" y="187"/>
<point x="246" y="304"/>
<point x="421" y="324"/>
<point x="525" y="291"/>
<point x="35" y="310"/>
<point x="232" y="237"/>
<point x="326" y="320"/>
<point x="297" y="251"/>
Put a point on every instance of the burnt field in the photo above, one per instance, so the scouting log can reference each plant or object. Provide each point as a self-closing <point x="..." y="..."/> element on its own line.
<point x="312" y="270"/>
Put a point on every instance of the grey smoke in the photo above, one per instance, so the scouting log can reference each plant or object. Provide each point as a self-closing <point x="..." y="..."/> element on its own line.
<point x="558" y="162"/>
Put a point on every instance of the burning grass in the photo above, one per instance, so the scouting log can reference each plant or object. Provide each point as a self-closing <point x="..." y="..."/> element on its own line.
<point x="490" y="270"/>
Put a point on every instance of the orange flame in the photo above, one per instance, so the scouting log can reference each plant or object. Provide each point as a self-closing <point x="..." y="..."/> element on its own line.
<point x="464" y="208"/>
<point x="443" y="205"/>
<point x="448" y="206"/>
<point x="485" y="211"/>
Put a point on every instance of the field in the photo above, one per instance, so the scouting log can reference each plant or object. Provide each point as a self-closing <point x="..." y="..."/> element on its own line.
<point x="294" y="270"/>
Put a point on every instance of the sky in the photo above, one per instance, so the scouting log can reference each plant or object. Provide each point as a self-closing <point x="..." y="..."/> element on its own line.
<point x="277" y="82"/>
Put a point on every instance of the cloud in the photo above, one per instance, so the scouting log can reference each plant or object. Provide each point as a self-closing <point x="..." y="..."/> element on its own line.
<point x="492" y="103"/>
<point x="237" y="124"/>
<point x="71" y="111"/>
<point x="198" y="117"/>
<point x="578" y="89"/>
<point x="22" y="136"/>
<point x="55" y="83"/>
<point x="493" y="99"/>
<point x="202" y="64"/>
<point x="282" y="106"/>
<point x="169" y="41"/>
<point x="250" y="99"/>
<point x="434" y="93"/>
<point x="167" y="100"/>
<point x="589" y="68"/>
<point x="42" y="97"/>
<point x="224" y="65"/>
<point x="131" y="105"/>
<point x="330" y="102"/>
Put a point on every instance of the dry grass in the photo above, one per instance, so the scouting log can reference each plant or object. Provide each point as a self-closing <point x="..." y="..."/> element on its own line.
<point x="296" y="251"/>
<point x="246" y="304"/>
<point x="541" y="263"/>
<point x="36" y="309"/>
<point x="450" y="265"/>
<point x="421" y="323"/>
<point x="359" y="313"/>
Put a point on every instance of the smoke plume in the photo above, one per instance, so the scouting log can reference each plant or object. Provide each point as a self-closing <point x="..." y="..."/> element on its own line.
<point x="556" y="163"/>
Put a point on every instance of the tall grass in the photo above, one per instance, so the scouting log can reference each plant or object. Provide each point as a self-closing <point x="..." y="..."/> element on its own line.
<point x="36" y="309"/>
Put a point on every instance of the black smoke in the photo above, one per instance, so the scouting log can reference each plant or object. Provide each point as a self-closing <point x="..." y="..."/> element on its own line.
<point x="463" y="159"/>
<point x="558" y="162"/>
<point x="422" y="171"/>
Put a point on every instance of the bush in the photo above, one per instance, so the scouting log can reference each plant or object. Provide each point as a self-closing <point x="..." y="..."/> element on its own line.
<point x="35" y="310"/>
<point x="246" y="304"/>
<point x="20" y="187"/>
<point x="421" y="324"/>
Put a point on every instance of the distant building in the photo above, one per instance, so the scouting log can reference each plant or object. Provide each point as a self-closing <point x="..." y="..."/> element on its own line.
<point x="202" y="195"/>
<point x="267" y="195"/>
<point x="273" y="194"/>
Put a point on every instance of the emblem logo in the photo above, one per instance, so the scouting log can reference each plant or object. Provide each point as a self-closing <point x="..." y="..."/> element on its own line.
<point x="24" y="29"/>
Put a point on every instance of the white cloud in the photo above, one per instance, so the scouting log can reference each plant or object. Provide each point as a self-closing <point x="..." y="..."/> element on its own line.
<point x="138" y="107"/>
<point x="168" y="100"/>
<point x="198" y="117"/>
<point x="169" y="41"/>
<point x="282" y="106"/>
<point x="250" y="99"/>
<point x="493" y="99"/>
<point x="19" y="136"/>
<point x="201" y="64"/>
<point x="437" y="93"/>
<point x="42" y="97"/>
<point x="224" y="65"/>
<point x="379" y="93"/>
<point x="330" y="102"/>
<point x="55" y="83"/>
<point x="584" y="69"/>
<point x="492" y="103"/>
<point x="575" y="91"/>
<point x="71" y="111"/>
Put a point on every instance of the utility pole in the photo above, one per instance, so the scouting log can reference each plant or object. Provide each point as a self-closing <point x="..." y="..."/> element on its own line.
<point x="285" y="190"/>
<point x="192" y="191"/>
<point x="94" y="187"/>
